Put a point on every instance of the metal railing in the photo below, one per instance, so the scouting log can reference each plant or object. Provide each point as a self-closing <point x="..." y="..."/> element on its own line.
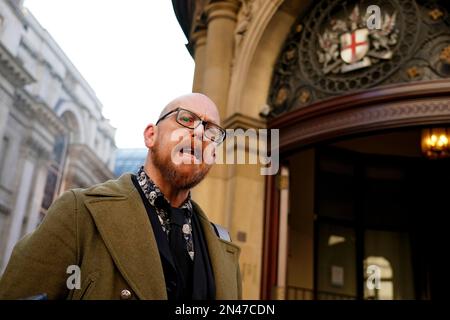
<point x="298" y="293"/>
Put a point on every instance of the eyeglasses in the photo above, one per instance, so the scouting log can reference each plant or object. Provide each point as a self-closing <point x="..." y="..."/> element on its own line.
<point x="190" y="120"/>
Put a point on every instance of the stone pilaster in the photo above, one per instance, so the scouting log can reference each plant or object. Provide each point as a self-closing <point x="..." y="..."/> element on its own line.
<point x="21" y="203"/>
<point x="221" y="22"/>
<point x="198" y="38"/>
<point x="32" y="152"/>
<point x="37" y="196"/>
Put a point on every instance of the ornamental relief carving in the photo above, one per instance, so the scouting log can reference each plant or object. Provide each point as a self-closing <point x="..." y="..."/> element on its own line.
<point x="365" y="118"/>
<point x="331" y="51"/>
<point x="247" y="12"/>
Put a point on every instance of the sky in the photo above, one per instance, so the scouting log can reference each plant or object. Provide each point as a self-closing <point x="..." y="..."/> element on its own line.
<point x="131" y="52"/>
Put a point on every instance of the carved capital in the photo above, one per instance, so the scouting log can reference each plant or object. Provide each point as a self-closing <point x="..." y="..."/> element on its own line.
<point x="225" y="9"/>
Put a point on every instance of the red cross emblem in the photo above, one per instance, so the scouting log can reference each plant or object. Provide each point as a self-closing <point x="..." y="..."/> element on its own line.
<point x="354" y="45"/>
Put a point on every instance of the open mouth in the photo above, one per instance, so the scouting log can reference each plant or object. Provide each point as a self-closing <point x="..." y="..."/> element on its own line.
<point x="192" y="152"/>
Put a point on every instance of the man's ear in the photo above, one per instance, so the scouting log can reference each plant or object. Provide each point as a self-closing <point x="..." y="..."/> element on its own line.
<point x="150" y="134"/>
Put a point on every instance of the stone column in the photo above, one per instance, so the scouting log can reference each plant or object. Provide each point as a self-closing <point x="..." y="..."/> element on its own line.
<point x="221" y="21"/>
<point x="199" y="40"/>
<point x="37" y="196"/>
<point x="20" y="207"/>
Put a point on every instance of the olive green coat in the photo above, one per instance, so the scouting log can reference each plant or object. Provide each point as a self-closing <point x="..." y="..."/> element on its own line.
<point x="105" y="231"/>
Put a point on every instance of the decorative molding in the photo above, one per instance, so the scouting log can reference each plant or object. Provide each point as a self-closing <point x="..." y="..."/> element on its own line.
<point x="244" y="55"/>
<point x="33" y="148"/>
<point x="395" y="107"/>
<point x="198" y="38"/>
<point x="24" y="103"/>
<point x="38" y="111"/>
<point x="17" y="9"/>
<point x="418" y="53"/>
<point x="12" y="70"/>
<point x="368" y="119"/>
<point x="226" y="9"/>
<point x="239" y="120"/>
<point x="249" y="8"/>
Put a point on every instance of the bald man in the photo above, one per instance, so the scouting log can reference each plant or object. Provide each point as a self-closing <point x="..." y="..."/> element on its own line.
<point x="140" y="236"/>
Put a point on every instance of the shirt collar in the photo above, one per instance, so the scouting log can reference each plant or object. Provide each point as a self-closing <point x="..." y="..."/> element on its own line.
<point x="155" y="195"/>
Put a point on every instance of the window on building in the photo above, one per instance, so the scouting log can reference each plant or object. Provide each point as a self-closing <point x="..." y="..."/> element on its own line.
<point x="378" y="279"/>
<point x="388" y="262"/>
<point x="336" y="268"/>
<point x="54" y="174"/>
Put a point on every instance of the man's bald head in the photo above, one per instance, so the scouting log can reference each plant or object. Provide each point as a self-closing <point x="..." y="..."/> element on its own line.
<point x="197" y="103"/>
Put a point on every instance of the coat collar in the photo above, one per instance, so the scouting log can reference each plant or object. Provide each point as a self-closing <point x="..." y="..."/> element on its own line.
<point x="121" y="218"/>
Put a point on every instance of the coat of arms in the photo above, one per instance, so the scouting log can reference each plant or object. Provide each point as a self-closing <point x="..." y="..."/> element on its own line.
<point x="350" y="45"/>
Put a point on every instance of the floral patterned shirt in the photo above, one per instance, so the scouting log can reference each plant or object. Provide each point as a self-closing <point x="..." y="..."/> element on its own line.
<point x="162" y="207"/>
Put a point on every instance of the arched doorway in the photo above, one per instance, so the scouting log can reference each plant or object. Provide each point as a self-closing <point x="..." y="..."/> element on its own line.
<point x="359" y="184"/>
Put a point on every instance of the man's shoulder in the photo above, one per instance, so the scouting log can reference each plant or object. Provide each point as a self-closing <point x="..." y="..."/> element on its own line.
<point x="220" y="231"/>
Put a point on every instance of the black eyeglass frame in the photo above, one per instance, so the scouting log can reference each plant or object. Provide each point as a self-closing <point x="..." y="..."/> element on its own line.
<point x="201" y="121"/>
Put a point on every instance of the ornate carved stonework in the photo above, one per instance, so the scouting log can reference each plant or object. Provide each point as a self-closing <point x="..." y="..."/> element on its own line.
<point x="348" y="44"/>
<point x="330" y="52"/>
<point x="38" y="111"/>
<point x="373" y="115"/>
<point x="12" y="70"/>
<point x="246" y="13"/>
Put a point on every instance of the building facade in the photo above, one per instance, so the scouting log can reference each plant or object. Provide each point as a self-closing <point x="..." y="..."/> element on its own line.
<point x="359" y="91"/>
<point x="53" y="135"/>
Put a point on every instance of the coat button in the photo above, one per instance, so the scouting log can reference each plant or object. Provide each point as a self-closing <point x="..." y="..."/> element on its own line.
<point x="125" y="294"/>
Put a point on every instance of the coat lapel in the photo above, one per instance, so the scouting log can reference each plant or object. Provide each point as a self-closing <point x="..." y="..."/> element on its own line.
<point x="122" y="221"/>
